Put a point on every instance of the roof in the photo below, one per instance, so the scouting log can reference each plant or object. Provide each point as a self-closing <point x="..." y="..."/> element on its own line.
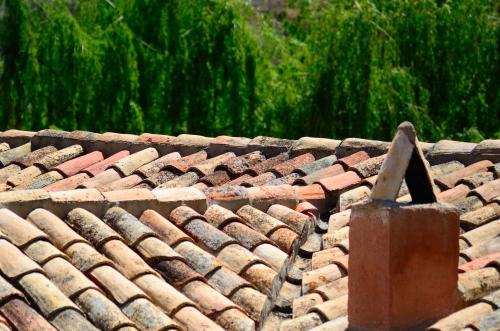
<point x="152" y="232"/>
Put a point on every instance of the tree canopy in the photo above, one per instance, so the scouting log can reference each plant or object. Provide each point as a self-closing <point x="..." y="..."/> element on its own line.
<point x="334" y="68"/>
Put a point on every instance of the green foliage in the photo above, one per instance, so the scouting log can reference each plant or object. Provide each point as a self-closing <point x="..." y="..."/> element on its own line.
<point x="332" y="68"/>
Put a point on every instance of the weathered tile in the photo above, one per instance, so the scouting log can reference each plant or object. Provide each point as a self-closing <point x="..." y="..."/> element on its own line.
<point x="368" y="167"/>
<point x="238" y="165"/>
<point x="287" y="294"/>
<point x="230" y="197"/>
<point x="315" y="278"/>
<point x="61" y="156"/>
<point x="482" y="233"/>
<point x="352" y="145"/>
<point x="207" y="167"/>
<point x="237" y="258"/>
<point x="490" y="260"/>
<point x="487" y="322"/>
<point x="317" y="165"/>
<point x="339" y="220"/>
<point x="67" y="278"/>
<point x="183" y="164"/>
<point x="10" y="155"/>
<point x="219" y="216"/>
<point x="314" y="194"/>
<point x="267" y="164"/>
<point x="101" y="166"/>
<point x="477" y="179"/>
<point x="312" y="245"/>
<point x="127" y="225"/>
<point x="290" y="165"/>
<point x="222" y="144"/>
<point x="23" y="317"/>
<point x="468" y="204"/>
<point x="177" y="273"/>
<point x="122" y="183"/>
<point x="8" y="292"/>
<point x="238" y="181"/>
<point x="30" y="158"/>
<point x="102" y="311"/>
<point x="207" y="234"/>
<point x="245" y="235"/>
<point x="128" y="262"/>
<point x="461" y="318"/>
<point x="101" y="179"/>
<point x="338" y="324"/>
<point x="331" y="309"/>
<point x="474" y="284"/>
<point x="152" y="168"/>
<point x="285" y="238"/>
<point x="340" y="182"/>
<point x="482" y="249"/>
<point x="265" y="279"/>
<point x="69" y="183"/>
<point x="117" y="286"/>
<point x="259" y="220"/>
<point x="319" y="147"/>
<point x="216" y="178"/>
<point x="172" y="198"/>
<point x="18" y="230"/>
<point x="72" y="167"/>
<point x="185" y="180"/>
<point x="302" y="305"/>
<point x="4" y="147"/>
<point x="356" y="195"/>
<point x="296" y="272"/>
<point x="147" y="316"/>
<point x="167" y="231"/>
<point x="265" y="196"/>
<point x="91" y="227"/>
<point x="154" y="249"/>
<point x="325" y="257"/>
<point x="9" y="171"/>
<point x="118" y="137"/>
<point x="42" y="251"/>
<point x="295" y="220"/>
<point x="454" y="194"/>
<point x="209" y="300"/>
<point x="41" y="181"/>
<point x="48" y="298"/>
<point x="85" y="258"/>
<point x="288" y="179"/>
<point x="198" y="259"/>
<point x="259" y="180"/>
<point x="448" y="150"/>
<point x="129" y="164"/>
<point x="450" y="180"/>
<point x="488" y="191"/>
<point x="24" y="176"/>
<point x="302" y="323"/>
<point x="190" y="143"/>
<point x="163" y="294"/>
<point x="256" y="304"/>
<point x="269" y="146"/>
<point x="194" y="320"/>
<point x="333" y="289"/>
<point x="481" y="216"/>
<point x="226" y="281"/>
<point x="273" y="256"/>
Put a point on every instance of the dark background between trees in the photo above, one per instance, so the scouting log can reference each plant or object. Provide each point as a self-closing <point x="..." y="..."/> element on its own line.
<point x="320" y="68"/>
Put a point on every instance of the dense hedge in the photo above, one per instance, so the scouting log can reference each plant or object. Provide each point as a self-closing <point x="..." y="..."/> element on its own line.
<point x="340" y="68"/>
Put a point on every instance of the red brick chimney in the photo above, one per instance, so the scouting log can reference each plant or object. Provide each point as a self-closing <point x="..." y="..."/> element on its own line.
<point x="403" y="257"/>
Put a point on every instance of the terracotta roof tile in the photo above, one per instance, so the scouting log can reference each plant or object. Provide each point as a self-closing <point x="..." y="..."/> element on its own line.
<point x="167" y="231"/>
<point x="317" y="165"/>
<point x="69" y="279"/>
<point x="102" y="311"/>
<point x="10" y="155"/>
<point x="269" y="145"/>
<point x="482" y="249"/>
<point x="477" y="179"/>
<point x="447" y="150"/>
<point x="54" y="159"/>
<point x="259" y="180"/>
<point x="101" y="179"/>
<point x="333" y="289"/>
<point x="263" y="197"/>
<point x="85" y="258"/>
<point x="208" y="166"/>
<point x="32" y="157"/>
<point x="154" y="138"/>
<point x="23" y="317"/>
<point x="24" y="176"/>
<point x="331" y="309"/>
<point x="42" y="252"/>
<point x="73" y="166"/>
<point x="122" y="183"/>
<point x="91" y="227"/>
<point x="454" y="194"/>
<point x="19" y="231"/>
<point x="153" y="249"/>
<point x="302" y="305"/>
<point x="152" y="168"/>
<point x="129" y="164"/>
<point x="195" y="320"/>
<point x="319" y="147"/>
<point x="356" y="195"/>
<point x="222" y="144"/>
<point x="116" y="285"/>
<point x="290" y="165"/>
<point x="4" y="147"/>
<point x="368" y="167"/>
<point x="59" y="233"/>
<point x="488" y="191"/>
<point x="340" y="182"/>
<point x="297" y="221"/>
<point x="461" y="318"/>
<point x="245" y="235"/>
<point x="352" y="145"/>
<point x="69" y="183"/>
<point x="41" y="181"/>
<point x="9" y="171"/>
<point x="177" y="273"/>
<point x="209" y="300"/>
<point x="127" y="225"/>
<point x="217" y="178"/>
<point x="99" y="167"/>
<point x="318" y="277"/>
<point x="185" y="180"/>
<point x="126" y="260"/>
<point x="480" y="263"/>
<point x="8" y="292"/>
<point x="482" y="215"/>
<point x="259" y="220"/>
<point x="147" y="316"/>
<point x="450" y="180"/>
<point x="267" y="164"/>
<point x="238" y="165"/>
<point x="285" y="238"/>
<point x="474" y="284"/>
